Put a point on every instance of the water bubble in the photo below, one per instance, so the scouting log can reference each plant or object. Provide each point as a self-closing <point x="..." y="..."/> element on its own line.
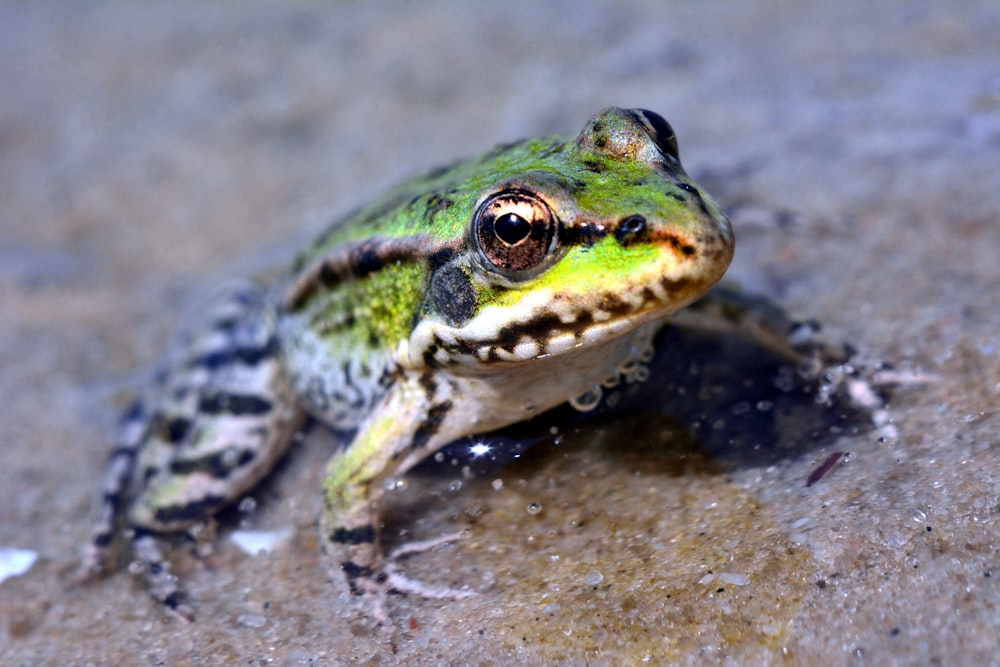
<point x="534" y="508"/>
<point x="247" y="505"/>
<point x="251" y="620"/>
<point x="588" y="400"/>
<point x="391" y="484"/>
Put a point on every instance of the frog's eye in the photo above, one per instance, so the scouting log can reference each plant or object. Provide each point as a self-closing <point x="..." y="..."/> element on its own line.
<point x="660" y="132"/>
<point x="514" y="230"/>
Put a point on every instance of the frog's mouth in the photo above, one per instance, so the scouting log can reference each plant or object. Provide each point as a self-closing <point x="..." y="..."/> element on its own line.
<point x="545" y="325"/>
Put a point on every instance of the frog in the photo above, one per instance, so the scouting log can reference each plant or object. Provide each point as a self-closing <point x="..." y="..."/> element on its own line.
<point x="467" y="299"/>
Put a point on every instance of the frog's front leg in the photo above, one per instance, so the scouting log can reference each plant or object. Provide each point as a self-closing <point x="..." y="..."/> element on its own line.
<point x="837" y="367"/>
<point x="409" y="424"/>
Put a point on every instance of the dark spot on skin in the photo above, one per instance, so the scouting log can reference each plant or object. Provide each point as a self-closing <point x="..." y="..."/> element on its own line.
<point x="440" y="258"/>
<point x="430" y="425"/>
<point x="593" y="165"/>
<point x="363" y="535"/>
<point x="367" y="260"/>
<point x="428" y="384"/>
<point x="685" y="249"/>
<point x="248" y="355"/>
<point x="328" y="276"/>
<point x="234" y="404"/>
<point x="198" y="509"/>
<point x="436" y="204"/>
<point x="218" y="464"/>
<point x="226" y="324"/>
<point x="428" y="356"/>
<point x="453" y="296"/>
<point x="699" y="200"/>
<point x="581" y="234"/>
<point x="175" y="429"/>
<point x="352" y="570"/>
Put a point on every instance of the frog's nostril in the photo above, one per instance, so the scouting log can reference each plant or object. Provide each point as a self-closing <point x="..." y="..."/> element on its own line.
<point x="630" y="229"/>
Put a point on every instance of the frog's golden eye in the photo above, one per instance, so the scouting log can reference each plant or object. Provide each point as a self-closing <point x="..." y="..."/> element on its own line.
<point x="514" y="230"/>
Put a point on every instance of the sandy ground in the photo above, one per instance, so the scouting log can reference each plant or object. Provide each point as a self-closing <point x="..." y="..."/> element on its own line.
<point x="148" y="151"/>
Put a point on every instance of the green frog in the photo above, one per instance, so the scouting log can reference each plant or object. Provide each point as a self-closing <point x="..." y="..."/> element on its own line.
<point x="470" y="298"/>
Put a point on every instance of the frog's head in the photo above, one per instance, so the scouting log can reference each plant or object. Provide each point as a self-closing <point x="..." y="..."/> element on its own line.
<point x="576" y="243"/>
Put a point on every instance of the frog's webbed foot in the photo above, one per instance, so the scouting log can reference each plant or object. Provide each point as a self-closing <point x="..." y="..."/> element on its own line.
<point x="837" y="369"/>
<point x="374" y="582"/>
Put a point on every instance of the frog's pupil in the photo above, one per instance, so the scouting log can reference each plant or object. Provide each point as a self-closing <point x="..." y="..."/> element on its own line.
<point x="511" y="228"/>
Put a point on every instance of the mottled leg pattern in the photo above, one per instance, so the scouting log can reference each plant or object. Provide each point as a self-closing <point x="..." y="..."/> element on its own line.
<point x="221" y="417"/>
<point x="155" y="570"/>
<point x="117" y="474"/>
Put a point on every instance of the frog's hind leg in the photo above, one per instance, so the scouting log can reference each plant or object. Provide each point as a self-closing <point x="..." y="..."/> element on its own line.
<point x="223" y="415"/>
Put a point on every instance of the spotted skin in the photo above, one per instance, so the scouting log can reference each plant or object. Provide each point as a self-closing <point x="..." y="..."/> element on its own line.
<point x="221" y="416"/>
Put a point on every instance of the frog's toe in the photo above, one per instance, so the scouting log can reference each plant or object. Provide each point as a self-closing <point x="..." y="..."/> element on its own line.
<point x="397" y="581"/>
<point x="421" y="546"/>
<point x="161" y="584"/>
